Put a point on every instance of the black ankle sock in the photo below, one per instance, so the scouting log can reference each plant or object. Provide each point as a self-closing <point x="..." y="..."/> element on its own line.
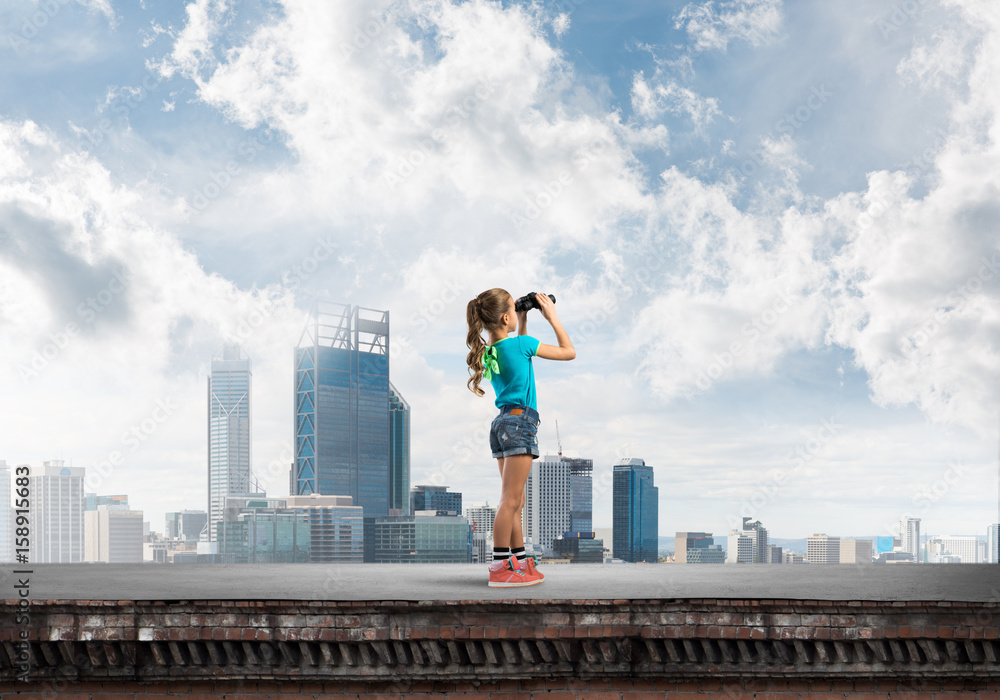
<point x="500" y="553"/>
<point x="519" y="553"/>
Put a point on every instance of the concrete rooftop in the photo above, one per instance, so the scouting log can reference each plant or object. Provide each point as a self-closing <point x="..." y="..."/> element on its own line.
<point x="414" y="582"/>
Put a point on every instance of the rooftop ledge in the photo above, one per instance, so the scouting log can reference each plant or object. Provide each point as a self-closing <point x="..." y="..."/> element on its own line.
<point x="381" y="623"/>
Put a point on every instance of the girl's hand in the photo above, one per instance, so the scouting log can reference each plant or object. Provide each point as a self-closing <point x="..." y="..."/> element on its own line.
<point x="546" y="306"/>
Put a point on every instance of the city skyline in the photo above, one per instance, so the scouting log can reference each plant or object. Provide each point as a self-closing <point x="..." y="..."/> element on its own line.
<point x="767" y="225"/>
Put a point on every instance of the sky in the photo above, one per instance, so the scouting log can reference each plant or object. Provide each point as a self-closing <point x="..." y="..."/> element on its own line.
<point x="772" y="230"/>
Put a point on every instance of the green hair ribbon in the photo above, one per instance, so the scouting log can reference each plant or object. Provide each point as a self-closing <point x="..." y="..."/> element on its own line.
<point x="490" y="364"/>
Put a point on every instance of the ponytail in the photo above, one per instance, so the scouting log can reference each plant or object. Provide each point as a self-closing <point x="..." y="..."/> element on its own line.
<point x="482" y="313"/>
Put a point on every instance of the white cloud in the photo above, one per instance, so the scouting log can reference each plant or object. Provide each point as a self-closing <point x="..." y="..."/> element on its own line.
<point x="667" y="95"/>
<point x="714" y="26"/>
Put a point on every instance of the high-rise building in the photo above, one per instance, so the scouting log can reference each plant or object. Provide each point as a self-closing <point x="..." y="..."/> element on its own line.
<point x="697" y="548"/>
<point x="113" y="535"/>
<point x="822" y="549"/>
<point x="436" y="498"/>
<point x="399" y="451"/>
<point x="635" y="512"/>
<point x="481" y="517"/>
<point x="185" y="524"/>
<point x="993" y="544"/>
<point x="856" y="551"/>
<point x="7" y="519"/>
<point x="579" y="548"/>
<point x="547" y="501"/>
<point x="960" y="550"/>
<point x="56" y="513"/>
<point x="342" y="407"/>
<point x="336" y="528"/>
<point x="909" y="535"/>
<point x="739" y="547"/>
<point x="398" y="539"/>
<point x="581" y="499"/>
<point x="229" y="433"/>
<point x="774" y="554"/>
<point x="758" y="533"/>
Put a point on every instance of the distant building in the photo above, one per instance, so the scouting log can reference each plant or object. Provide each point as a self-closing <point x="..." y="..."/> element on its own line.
<point x="481" y="519"/>
<point x="739" y="548"/>
<point x="758" y="534"/>
<point x="343" y="415"/>
<point x="856" y="551"/>
<point x="697" y="548"/>
<point x="548" y="497"/>
<point x="229" y="433"/>
<point x="56" y="513"/>
<point x="792" y="558"/>
<point x="336" y="527"/>
<point x="774" y="555"/>
<point x="909" y="535"/>
<point x="421" y="537"/>
<point x="112" y="535"/>
<point x="579" y="548"/>
<point x="436" y="498"/>
<point x="185" y="524"/>
<point x="581" y="496"/>
<point x="91" y="501"/>
<point x="822" y="549"/>
<point x="265" y="536"/>
<point x="993" y="544"/>
<point x="954" y="550"/>
<point x="399" y="451"/>
<point x="635" y="512"/>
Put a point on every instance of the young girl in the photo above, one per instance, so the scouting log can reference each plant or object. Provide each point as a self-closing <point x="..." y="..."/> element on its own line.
<point x="506" y="363"/>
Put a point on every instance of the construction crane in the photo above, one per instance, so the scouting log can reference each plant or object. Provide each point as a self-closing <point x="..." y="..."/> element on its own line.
<point x="558" y="440"/>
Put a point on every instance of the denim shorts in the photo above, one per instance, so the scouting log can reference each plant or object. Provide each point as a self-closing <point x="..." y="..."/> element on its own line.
<point x="515" y="432"/>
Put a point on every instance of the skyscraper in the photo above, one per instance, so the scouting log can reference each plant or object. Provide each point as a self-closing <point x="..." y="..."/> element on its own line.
<point x="229" y="435"/>
<point x="635" y="512"/>
<point x="581" y="497"/>
<point x="399" y="450"/>
<point x="909" y="536"/>
<point x="547" y="501"/>
<point x="993" y="544"/>
<point x="56" y="515"/>
<point x="758" y="533"/>
<point x="342" y="414"/>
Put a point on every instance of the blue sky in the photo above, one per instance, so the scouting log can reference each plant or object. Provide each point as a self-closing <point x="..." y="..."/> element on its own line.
<point x="813" y="182"/>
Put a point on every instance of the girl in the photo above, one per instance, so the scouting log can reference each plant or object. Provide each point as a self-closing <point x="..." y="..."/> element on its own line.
<point x="506" y="363"/>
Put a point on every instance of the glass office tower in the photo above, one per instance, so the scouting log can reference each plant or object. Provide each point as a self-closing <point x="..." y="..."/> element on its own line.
<point x="635" y="515"/>
<point x="399" y="451"/>
<point x="342" y="417"/>
<point x="229" y="472"/>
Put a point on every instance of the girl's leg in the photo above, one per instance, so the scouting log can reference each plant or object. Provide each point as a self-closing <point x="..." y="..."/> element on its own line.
<point x="516" y="532"/>
<point x="515" y="474"/>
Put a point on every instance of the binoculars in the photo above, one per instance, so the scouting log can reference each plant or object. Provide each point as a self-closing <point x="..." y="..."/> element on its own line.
<point x="528" y="302"/>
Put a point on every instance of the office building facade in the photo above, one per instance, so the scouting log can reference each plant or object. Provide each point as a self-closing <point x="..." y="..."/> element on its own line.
<point x="635" y="512"/>
<point x="336" y="528"/>
<point x="112" y="535"/>
<point x="697" y="548"/>
<point x="56" y="513"/>
<point x="581" y="496"/>
<point x="404" y="539"/>
<point x="739" y="547"/>
<point x="823" y="549"/>
<point x="437" y="498"/>
<point x="229" y="433"/>
<point x="342" y="407"/>
<point x="547" y="501"/>
<point x="185" y="524"/>
<point x="909" y="536"/>
<point x="854" y="551"/>
<point x="399" y="451"/>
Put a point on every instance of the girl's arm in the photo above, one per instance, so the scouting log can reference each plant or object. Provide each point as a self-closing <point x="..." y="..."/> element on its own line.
<point x="565" y="349"/>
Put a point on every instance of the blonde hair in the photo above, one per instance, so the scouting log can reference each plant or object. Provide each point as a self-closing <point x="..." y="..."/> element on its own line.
<point x="483" y="313"/>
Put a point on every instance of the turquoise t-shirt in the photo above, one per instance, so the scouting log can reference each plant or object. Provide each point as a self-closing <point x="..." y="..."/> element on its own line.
<point x="515" y="384"/>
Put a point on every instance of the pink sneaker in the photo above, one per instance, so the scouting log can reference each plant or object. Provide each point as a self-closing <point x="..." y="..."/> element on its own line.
<point x="506" y="574"/>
